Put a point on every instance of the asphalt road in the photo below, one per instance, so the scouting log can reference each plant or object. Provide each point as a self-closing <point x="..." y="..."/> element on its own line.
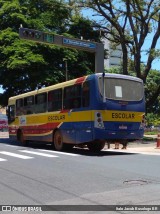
<point x="37" y="175"/>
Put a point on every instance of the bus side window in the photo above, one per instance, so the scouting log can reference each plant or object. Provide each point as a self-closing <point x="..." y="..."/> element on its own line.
<point x="55" y="100"/>
<point x="19" y="107"/>
<point x="41" y="103"/>
<point x="72" y="97"/>
<point x="29" y="105"/>
<point x="11" y="113"/>
<point x="85" y="94"/>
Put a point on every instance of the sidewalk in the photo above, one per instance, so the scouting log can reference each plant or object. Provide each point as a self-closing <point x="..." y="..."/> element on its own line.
<point x="144" y="146"/>
<point x="139" y="146"/>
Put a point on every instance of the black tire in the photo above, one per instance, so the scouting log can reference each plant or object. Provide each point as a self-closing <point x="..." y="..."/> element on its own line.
<point x="58" y="141"/>
<point x="21" y="139"/>
<point x="96" y="146"/>
<point x="68" y="147"/>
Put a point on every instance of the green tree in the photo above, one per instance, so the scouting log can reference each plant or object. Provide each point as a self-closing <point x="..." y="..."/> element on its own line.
<point x="152" y="92"/>
<point x="26" y="65"/>
<point x="152" y="119"/>
<point x="129" y="23"/>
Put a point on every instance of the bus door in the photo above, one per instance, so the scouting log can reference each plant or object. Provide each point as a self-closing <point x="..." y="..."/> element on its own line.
<point x="11" y="119"/>
<point x="70" y="105"/>
<point x="83" y="126"/>
<point x="11" y="113"/>
<point x="77" y="101"/>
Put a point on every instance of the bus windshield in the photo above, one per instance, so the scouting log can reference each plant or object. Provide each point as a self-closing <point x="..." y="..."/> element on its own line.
<point x="122" y="89"/>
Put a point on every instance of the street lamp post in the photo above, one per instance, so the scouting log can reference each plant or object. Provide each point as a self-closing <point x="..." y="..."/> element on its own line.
<point x="66" y="68"/>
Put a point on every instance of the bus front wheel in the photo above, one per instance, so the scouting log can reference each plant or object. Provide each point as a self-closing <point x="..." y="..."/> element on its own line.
<point x="96" y="146"/>
<point x="58" y="141"/>
<point x="21" y="138"/>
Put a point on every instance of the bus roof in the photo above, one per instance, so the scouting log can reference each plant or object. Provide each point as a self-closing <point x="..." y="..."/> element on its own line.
<point x="45" y="89"/>
<point x="71" y="82"/>
<point x="112" y="75"/>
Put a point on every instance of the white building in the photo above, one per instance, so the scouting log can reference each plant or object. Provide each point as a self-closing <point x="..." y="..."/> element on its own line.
<point x="2" y="110"/>
<point x="114" y="57"/>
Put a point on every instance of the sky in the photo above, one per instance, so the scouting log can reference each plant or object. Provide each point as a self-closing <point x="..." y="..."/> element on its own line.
<point x="1" y="90"/>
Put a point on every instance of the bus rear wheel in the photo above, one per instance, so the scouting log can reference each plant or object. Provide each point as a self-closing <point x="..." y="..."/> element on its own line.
<point x="58" y="141"/>
<point x="96" y="146"/>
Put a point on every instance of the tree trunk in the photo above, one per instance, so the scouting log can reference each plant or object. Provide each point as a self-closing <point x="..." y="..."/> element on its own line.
<point x="137" y="64"/>
<point x="125" y="59"/>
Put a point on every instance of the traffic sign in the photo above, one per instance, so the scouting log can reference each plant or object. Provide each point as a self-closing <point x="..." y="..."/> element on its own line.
<point x="54" y="39"/>
<point x="39" y="36"/>
<point x="35" y="35"/>
<point x="79" y="43"/>
<point x="48" y="38"/>
<point x="31" y="34"/>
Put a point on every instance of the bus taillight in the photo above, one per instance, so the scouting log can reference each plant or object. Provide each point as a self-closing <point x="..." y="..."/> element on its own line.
<point x="143" y="121"/>
<point x="98" y="122"/>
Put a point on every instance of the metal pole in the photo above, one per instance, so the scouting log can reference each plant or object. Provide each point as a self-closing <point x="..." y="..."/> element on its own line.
<point x="99" y="58"/>
<point x="66" y="67"/>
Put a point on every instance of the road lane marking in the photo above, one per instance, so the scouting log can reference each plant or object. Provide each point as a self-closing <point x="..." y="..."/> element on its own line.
<point x="64" y="153"/>
<point x="39" y="153"/>
<point x="12" y="146"/>
<point x="15" y="155"/>
<point x="1" y="159"/>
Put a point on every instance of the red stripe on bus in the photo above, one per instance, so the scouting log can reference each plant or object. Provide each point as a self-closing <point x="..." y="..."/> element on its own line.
<point x="80" y="80"/>
<point x="37" y="129"/>
<point x="65" y="111"/>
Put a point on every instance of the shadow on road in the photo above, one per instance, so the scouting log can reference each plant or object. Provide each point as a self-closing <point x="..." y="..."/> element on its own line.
<point x="76" y="150"/>
<point x="102" y="153"/>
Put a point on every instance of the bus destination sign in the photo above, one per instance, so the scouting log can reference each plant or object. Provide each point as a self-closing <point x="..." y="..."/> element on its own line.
<point x="78" y="43"/>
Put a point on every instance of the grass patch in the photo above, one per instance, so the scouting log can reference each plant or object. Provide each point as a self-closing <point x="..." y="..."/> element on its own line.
<point x="148" y="139"/>
<point x="151" y="133"/>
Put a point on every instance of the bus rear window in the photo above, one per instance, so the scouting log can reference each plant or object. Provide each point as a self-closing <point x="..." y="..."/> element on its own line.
<point x="122" y="89"/>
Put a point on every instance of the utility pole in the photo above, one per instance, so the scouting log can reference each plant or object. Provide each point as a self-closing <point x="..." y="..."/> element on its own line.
<point x="66" y="67"/>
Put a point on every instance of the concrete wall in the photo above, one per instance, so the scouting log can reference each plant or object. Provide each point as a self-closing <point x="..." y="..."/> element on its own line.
<point x="2" y="110"/>
<point x="114" y="56"/>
